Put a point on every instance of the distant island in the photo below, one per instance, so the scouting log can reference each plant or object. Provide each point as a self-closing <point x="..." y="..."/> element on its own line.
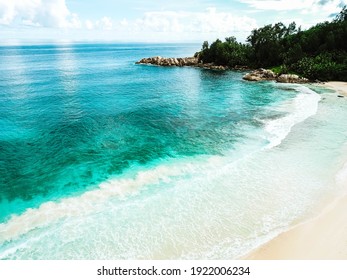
<point x="319" y="53"/>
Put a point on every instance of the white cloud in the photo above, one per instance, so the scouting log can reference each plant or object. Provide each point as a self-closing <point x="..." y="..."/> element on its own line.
<point x="105" y="23"/>
<point x="89" y="24"/>
<point x="210" y="21"/>
<point x="306" y="6"/>
<point x="124" y="22"/>
<point x="48" y="13"/>
<point x="164" y="25"/>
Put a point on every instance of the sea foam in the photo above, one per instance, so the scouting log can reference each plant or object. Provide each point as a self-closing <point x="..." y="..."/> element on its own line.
<point x="304" y="105"/>
<point x="50" y="212"/>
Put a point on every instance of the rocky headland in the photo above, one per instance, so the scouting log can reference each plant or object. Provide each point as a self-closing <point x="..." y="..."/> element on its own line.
<point x="256" y="75"/>
<point x="268" y="75"/>
<point x="180" y="62"/>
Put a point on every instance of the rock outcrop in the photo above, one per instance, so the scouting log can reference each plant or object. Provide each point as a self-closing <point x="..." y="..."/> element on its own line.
<point x="256" y="75"/>
<point x="268" y="75"/>
<point x="260" y="75"/>
<point x="162" y="61"/>
<point x="180" y="62"/>
<point x="291" y="78"/>
<point x="212" y="66"/>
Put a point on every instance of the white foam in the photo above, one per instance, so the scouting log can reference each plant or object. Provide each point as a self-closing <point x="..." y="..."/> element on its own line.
<point x="302" y="107"/>
<point x="51" y="212"/>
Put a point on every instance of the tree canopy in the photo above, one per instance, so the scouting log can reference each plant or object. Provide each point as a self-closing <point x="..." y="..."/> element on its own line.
<point x="319" y="52"/>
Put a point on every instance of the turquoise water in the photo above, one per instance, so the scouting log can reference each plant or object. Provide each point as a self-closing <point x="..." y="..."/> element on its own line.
<point x="104" y="159"/>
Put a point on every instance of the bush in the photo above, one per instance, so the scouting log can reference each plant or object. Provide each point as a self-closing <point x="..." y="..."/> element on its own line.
<point x="322" y="67"/>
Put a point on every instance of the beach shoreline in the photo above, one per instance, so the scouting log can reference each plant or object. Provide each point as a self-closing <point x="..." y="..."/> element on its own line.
<point x="339" y="87"/>
<point x="323" y="237"/>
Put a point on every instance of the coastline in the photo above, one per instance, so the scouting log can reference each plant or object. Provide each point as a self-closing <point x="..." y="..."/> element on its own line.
<point x="323" y="237"/>
<point x="339" y="87"/>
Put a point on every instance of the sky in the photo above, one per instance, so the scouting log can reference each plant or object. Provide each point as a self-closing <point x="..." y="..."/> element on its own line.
<point x="152" y="20"/>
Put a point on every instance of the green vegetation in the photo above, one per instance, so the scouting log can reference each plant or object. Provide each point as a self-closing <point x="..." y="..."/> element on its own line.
<point x="317" y="53"/>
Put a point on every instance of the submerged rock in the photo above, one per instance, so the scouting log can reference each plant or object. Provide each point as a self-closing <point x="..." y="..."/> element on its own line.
<point x="260" y="75"/>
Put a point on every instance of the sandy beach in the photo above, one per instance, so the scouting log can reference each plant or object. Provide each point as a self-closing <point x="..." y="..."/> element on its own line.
<point x="323" y="237"/>
<point x="339" y="87"/>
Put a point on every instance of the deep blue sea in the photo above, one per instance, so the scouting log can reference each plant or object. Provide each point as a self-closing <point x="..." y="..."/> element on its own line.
<point x="101" y="158"/>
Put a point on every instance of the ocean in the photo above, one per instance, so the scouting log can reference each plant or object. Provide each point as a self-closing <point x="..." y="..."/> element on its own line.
<point x="101" y="158"/>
